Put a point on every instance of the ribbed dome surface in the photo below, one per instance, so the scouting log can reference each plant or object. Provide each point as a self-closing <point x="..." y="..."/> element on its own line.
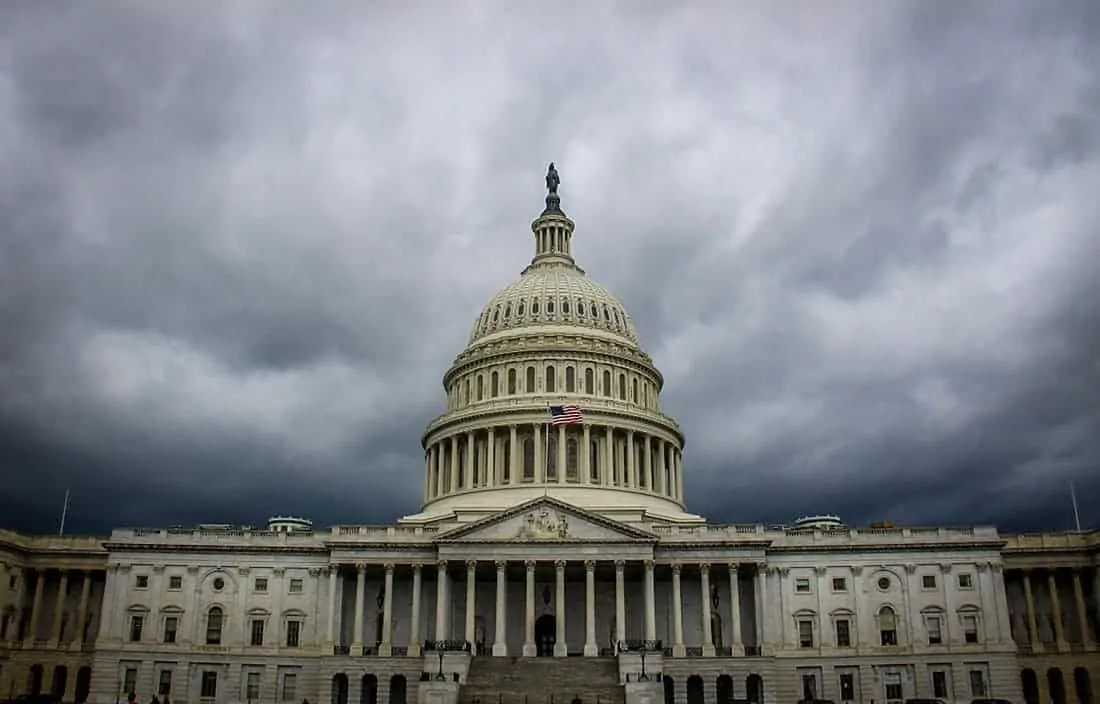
<point x="553" y="295"/>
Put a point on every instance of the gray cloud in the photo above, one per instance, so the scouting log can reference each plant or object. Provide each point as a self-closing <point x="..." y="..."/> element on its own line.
<point x="241" y="245"/>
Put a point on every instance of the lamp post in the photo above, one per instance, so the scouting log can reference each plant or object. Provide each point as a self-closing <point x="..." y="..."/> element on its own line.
<point x="439" y="645"/>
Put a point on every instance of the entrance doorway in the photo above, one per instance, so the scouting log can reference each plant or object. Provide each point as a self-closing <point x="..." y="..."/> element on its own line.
<point x="546" y="630"/>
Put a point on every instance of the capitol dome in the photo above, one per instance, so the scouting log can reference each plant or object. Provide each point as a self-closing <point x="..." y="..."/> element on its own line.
<point x="553" y="395"/>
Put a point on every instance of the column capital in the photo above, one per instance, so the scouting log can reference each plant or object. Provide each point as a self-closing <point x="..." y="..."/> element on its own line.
<point x="762" y="567"/>
<point x="314" y="571"/>
<point x="530" y="565"/>
<point x="501" y="565"/>
<point x="649" y="564"/>
<point x="389" y="567"/>
<point x="733" y="568"/>
<point x="820" y="570"/>
<point x="676" y="569"/>
<point x="242" y="571"/>
<point x="856" y="570"/>
<point x="158" y="568"/>
<point x="417" y="566"/>
<point x="471" y="565"/>
<point x="620" y="565"/>
<point x="279" y="571"/>
<point x="559" y="565"/>
<point x="704" y="566"/>
<point x="441" y="565"/>
<point x="361" y="567"/>
<point x="589" y="565"/>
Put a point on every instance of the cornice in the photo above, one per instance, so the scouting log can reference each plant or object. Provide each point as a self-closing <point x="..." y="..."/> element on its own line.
<point x="320" y="549"/>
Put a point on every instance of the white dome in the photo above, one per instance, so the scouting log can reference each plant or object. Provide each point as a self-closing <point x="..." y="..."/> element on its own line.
<point x="554" y="295"/>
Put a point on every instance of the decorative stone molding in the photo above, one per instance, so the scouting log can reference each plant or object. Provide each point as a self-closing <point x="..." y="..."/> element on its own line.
<point x="589" y="565"/>
<point x="315" y="572"/>
<point x="243" y="571"/>
<point x="649" y="565"/>
<point x="530" y="565"/>
<point x="501" y="565"/>
<point x="820" y="570"/>
<point x="389" y="567"/>
<point x="471" y="565"/>
<point x="192" y="569"/>
<point x="158" y="568"/>
<point x="279" y="571"/>
<point x="783" y="571"/>
<point x="733" y="568"/>
<point x="857" y="570"/>
<point x="676" y="568"/>
<point x="441" y="565"/>
<point x="910" y="567"/>
<point x="559" y="565"/>
<point x="704" y="567"/>
<point x="945" y="567"/>
<point x="620" y="565"/>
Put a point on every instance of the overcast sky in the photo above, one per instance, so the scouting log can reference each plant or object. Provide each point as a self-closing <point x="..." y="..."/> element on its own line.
<point x="240" y="243"/>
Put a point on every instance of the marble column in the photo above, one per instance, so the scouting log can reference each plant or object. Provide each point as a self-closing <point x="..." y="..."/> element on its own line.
<point x="1032" y="623"/>
<point x="440" y="474"/>
<point x="560" y="460"/>
<point x="454" y="464"/>
<point x="20" y="593"/>
<point x="471" y="603"/>
<point x="1056" y="610"/>
<point x="385" y="648"/>
<point x="662" y="475"/>
<point x="631" y="468"/>
<point x="762" y="605"/>
<point x="333" y="580"/>
<point x="609" y="456"/>
<point x="540" y="455"/>
<point x="620" y="603"/>
<point x="650" y="603"/>
<point x="500" y="642"/>
<point x="360" y="602"/>
<point x="415" y="637"/>
<point x="584" y="455"/>
<point x="678" y="649"/>
<point x="647" y="460"/>
<point x="679" y="462"/>
<point x="561" y="648"/>
<point x="59" y="609"/>
<point x="82" y="608"/>
<point x="735" y="611"/>
<point x="515" y="470"/>
<point x="36" y="606"/>
<point x="441" y="600"/>
<point x="1082" y="612"/>
<point x="492" y="476"/>
<point x="471" y="468"/>
<point x="708" y="627"/>
<point x="591" y="650"/>
<point x="529" y="649"/>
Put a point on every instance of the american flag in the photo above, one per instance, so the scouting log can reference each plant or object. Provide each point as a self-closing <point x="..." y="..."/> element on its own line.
<point x="565" y="415"/>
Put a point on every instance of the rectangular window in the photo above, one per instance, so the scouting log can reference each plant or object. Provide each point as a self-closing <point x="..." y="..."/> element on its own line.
<point x="293" y="633"/>
<point x="252" y="687"/>
<point x="805" y="633"/>
<point x="970" y="628"/>
<point x="129" y="681"/>
<point x="257" y="631"/>
<point x="164" y="686"/>
<point x="847" y="687"/>
<point x="175" y="582"/>
<point x="171" y="625"/>
<point x="296" y="586"/>
<point x="809" y="688"/>
<point x="141" y="581"/>
<point x="928" y="581"/>
<point x="977" y="684"/>
<point x="843" y="633"/>
<point x="966" y="581"/>
<point x="137" y="624"/>
<point x="840" y="584"/>
<point x="802" y="586"/>
<point x="935" y="633"/>
<point x="261" y="584"/>
<point x="939" y="684"/>
<point x="290" y="687"/>
<point x="209" y="687"/>
<point x="893" y="687"/>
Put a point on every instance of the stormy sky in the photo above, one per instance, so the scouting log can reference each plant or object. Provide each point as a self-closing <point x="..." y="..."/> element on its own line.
<point x="240" y="242"/>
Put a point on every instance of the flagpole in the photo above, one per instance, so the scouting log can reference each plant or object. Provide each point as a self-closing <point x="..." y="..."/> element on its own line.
<point x="64" y="514"/>
<point x="1073" y="498"/>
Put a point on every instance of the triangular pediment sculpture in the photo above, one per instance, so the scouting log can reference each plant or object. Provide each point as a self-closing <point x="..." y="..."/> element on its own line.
<point x="546" y="520"/>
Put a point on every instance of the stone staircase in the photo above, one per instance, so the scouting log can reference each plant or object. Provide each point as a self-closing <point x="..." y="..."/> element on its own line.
<point x="515" y="680"/>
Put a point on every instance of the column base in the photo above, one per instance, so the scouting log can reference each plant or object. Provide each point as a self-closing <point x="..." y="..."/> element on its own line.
<point x="591" y="650"/>
<point x="679" y="651"/>
<point x="737" y="650"/>
<point x="356" y="649"/>
<point x="414" y="650"/>
<point x="529" y="650"/>
<point x="76" y="645"/>
<point x="709" y="651"/>
<point x="385" y="649"/>
<point x="561" y="650"/>
<point x="500" y="650"/>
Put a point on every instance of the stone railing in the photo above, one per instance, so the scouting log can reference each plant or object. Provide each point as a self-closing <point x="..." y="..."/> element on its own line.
<point x="783" y="535"/>
<point x="1024" y="542"/>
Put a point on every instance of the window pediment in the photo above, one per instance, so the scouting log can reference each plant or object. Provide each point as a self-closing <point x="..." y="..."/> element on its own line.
<point x="805" y="613"/>
<point x="171" y="609"/>
<point x="842" y="612"/>
<point x="294" y="613"/>
<point x="137" y="609"/>
<point x="969" y="609"/>
<point x="257" y="612"/>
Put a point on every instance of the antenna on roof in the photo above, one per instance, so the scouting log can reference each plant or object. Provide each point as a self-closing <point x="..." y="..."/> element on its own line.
<point x="64" y="513"/>
<point x="1076" y="513"/>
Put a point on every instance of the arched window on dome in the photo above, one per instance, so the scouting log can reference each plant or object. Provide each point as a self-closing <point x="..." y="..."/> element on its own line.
<point x="550" y="306"/>
<point x="530" y="380"/>
<point x="494" y="384"/>
<point x="511" y="382"/>
<point x="570" y="379"/>
<point x="580" y="307"/>
<point x="551" y="455"/>
<point x="571" y="459"/>
<point x="507" y="310"/>
<point x="594" y="460"/>
<point x="521" y="308"/>
<point x="634" y="387"/>
<point x="607" y="383"/>
<point x="645" y="395"/>
<point x="589" y="380"/>
<point x="535" y="307"/>
<point x="551" y="379"/>
<point x="565" y="306"/>
<point x="466" y="394"/>
<point x="480" y="387"/>
<point x="606" y="313"/>
<point x="594" y="311"/>
<point x="622" y="387"/>
<point x="528" y="459"/>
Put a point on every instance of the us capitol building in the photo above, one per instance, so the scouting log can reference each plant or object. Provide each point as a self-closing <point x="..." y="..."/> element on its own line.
<point x="552" y="557"/>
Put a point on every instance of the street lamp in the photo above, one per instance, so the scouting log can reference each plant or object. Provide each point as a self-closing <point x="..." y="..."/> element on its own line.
<point x="439" y="645"/>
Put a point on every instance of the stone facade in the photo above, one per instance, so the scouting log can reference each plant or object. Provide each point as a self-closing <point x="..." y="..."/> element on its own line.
<point x="537" y="541"/>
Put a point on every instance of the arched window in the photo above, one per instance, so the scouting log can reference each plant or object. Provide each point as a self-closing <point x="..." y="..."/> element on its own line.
<point x="535" y="307"/>
<point x="571" y="459"/>
<point x="622" y="387"/>
<point x="511" y="382"/>
<point x="645" y="395"/>
<point x="550" y="306"/>
<point x="607" y="383"/>
<point x="589" y="380"/>
<point x="506" y="461"/>
<point x="521" y="308"/>
<point x="580" y="307"/>
<point x="494" y="384"/>
<point x="480" y="387"/>
<point x="507" y="311"/>
<point x="887" y="626"/>
<point x="215" y="619"/>
<point x="594" y="460"/>
<point x="530" y="380"/>
<point x="570" y="380"/>
<point x="634" y="386"/>
<point x="551" y="379"/>
<point x="565" y="306"/>
<point x="528" y="458"/>
<point x="466" y="395"/>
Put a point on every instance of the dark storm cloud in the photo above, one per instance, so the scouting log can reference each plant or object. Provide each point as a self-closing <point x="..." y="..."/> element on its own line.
<point x="241" y="245"/>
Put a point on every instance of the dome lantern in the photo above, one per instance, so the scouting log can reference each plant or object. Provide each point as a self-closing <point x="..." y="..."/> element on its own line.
<point x="553" y="229"/>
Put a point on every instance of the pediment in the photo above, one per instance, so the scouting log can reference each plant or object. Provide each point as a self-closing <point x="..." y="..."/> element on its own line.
<point x="546" y="520"/>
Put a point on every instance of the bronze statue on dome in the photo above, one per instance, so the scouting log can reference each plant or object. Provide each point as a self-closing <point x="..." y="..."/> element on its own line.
<point x="552" y="179"/>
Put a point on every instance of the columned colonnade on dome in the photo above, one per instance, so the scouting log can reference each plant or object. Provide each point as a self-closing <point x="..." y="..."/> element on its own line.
<point x="537" y="453"/>
<point x="455" y="583"/>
